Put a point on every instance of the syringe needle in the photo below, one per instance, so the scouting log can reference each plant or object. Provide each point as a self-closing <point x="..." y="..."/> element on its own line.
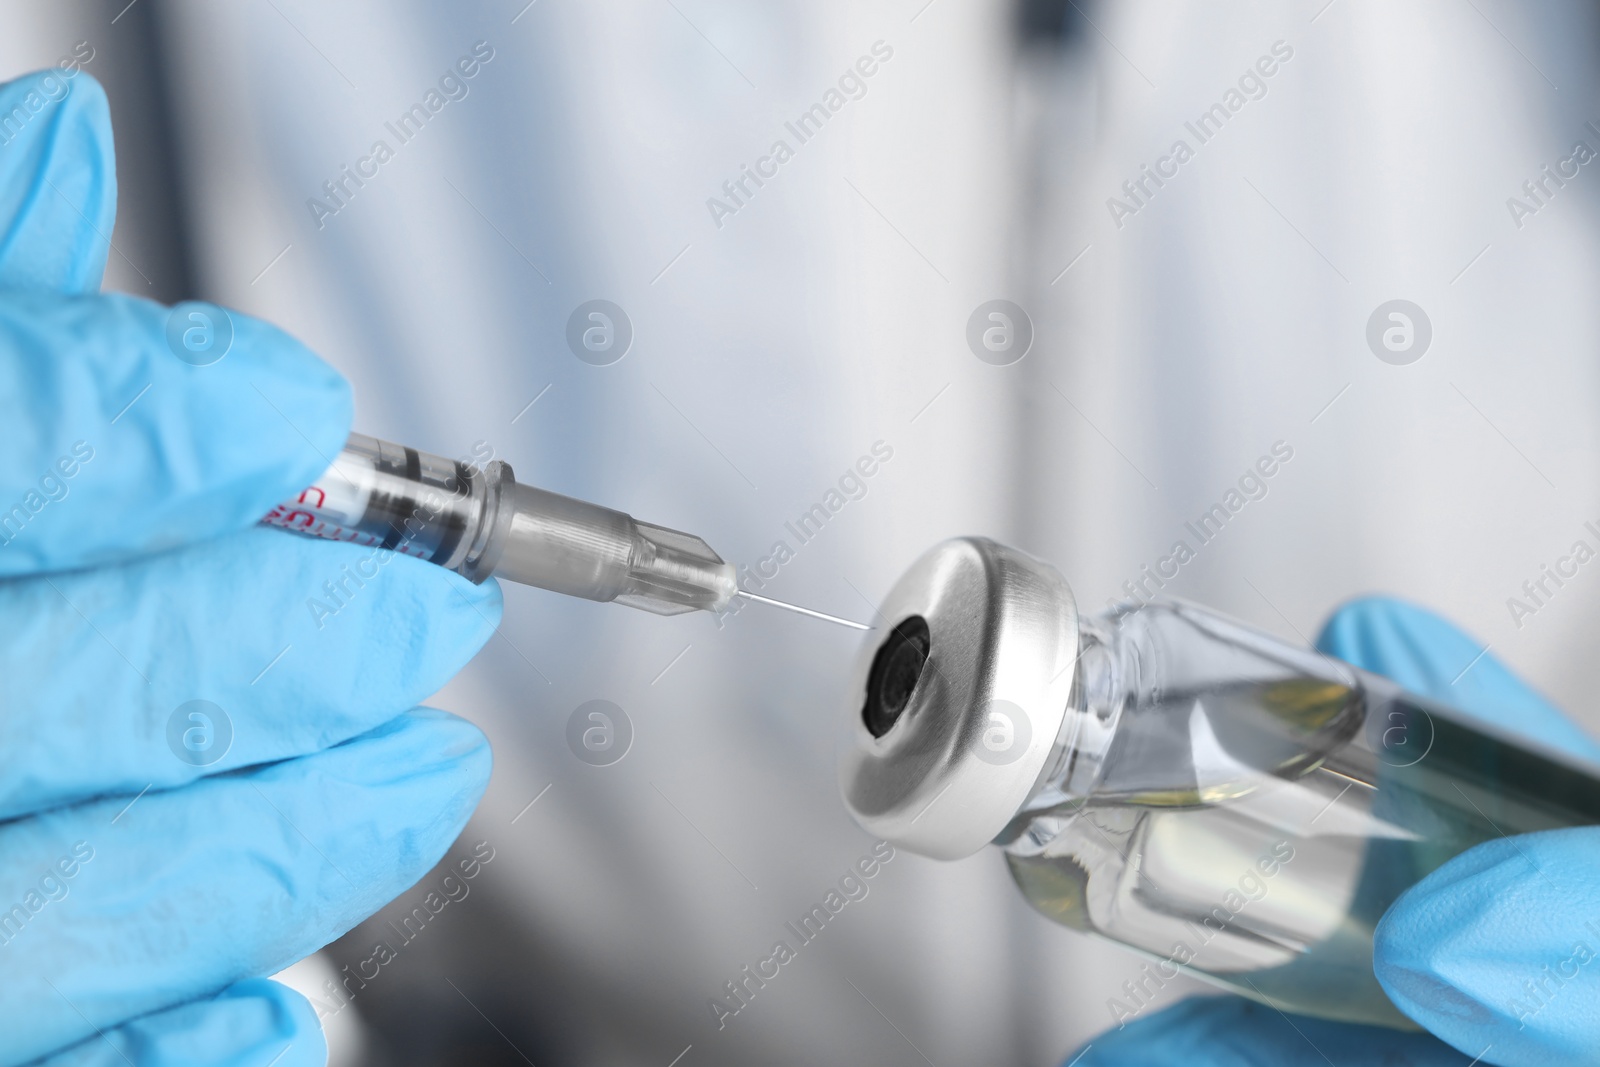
<point x="802" y="611"/>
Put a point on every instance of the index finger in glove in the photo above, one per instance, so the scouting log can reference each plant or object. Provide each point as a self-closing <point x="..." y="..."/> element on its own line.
<point x="254" y="647"/>
<point x="112" y="446"/>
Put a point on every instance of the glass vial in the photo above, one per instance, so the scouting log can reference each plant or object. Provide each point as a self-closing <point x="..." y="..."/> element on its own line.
<point x="1228" y="805"/>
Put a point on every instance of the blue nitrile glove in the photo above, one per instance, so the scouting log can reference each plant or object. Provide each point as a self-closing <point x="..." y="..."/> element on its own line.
<point x="157" y="857"/>
<point x="1464" y="951"/>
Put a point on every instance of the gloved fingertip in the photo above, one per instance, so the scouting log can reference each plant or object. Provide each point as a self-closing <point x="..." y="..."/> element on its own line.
<point x="429" y="621"/>
<point x="306" y="403"/>
<point x="404" y="792"/>
<point x="449" y="734"/>
<point x="464" y="759"/>
<point x="253" y="1023"/>
<point x="1480" y="951"/>
<point x="58" y="179"/>
<point x="1390" y="636"/>
<point x="449" y="762"/>
<point x="286" y="1031"/>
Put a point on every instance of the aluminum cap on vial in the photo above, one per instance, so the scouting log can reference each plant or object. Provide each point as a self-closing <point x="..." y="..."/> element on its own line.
<point x="956" y="702"/>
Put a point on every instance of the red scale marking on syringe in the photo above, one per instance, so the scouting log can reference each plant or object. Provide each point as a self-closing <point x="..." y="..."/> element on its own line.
<point x="333" y="507"/>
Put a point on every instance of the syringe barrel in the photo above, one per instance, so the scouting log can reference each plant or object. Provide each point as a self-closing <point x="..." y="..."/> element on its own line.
<point x="392" y="497"/>
<point x="479" y="521"/>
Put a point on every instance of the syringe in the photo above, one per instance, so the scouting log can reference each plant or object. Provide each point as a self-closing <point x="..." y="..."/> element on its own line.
<point x="479" y="521"/>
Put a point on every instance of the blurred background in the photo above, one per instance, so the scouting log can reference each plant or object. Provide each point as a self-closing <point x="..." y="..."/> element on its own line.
<point x="1181" y="326"/>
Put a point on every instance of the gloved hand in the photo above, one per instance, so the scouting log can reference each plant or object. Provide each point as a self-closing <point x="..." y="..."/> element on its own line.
<point x="153" y="864"/>
<point x="1497" y="952"/>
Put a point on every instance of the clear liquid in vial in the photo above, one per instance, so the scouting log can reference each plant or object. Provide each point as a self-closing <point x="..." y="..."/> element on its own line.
<point x="1250" y="833"/>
